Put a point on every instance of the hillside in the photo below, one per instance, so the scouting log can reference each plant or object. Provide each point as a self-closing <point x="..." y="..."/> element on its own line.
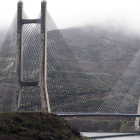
<point x="36" y="126"/>
<point x="102" y="50"/>
<point x="103" y="53"/>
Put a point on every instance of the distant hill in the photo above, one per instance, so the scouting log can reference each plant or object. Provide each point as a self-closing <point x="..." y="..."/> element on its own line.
<point x="102" y="50"/>
<point x="103" y="53"/>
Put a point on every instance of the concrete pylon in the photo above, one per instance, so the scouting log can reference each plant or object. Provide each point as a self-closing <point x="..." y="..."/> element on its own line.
<point x="137" y="121"/>
<point x="43" y="57"/>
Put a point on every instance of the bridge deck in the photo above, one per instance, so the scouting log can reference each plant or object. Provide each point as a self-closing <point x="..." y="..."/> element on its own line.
<point x="96" y="114"/>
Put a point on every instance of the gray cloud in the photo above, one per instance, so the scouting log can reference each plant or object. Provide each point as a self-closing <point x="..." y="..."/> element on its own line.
<point x="70" y="13"/>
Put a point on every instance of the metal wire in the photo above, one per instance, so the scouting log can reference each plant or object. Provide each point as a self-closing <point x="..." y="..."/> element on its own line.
<point x="69" y="88"/>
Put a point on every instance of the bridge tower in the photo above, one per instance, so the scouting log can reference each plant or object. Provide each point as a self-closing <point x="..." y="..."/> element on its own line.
<point x="137" y="121"/>
<point x="43" y="57"/>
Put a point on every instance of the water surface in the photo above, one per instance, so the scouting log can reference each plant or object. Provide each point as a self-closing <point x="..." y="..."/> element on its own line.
<point x="92" y="134"/>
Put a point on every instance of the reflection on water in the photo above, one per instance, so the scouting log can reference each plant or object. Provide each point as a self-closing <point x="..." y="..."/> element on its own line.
<point x="91" y="134"/>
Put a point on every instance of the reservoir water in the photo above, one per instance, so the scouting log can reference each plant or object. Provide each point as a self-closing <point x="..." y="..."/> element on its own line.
<point x="91" y="134"/>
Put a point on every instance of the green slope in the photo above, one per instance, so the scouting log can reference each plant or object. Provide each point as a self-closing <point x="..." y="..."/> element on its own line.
<point x="36" y="126"/>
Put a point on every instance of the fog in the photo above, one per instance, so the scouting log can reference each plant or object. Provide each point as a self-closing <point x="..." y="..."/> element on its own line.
<point x="119" y="14"/>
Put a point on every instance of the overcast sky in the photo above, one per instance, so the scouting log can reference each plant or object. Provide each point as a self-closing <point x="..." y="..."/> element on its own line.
<point x="71" y="13"/>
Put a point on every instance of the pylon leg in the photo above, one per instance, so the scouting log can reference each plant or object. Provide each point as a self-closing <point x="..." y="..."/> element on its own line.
<point x="43" y="60"/>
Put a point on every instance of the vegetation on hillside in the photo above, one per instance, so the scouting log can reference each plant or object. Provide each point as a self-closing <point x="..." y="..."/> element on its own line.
<point x="36" y="126"/>
<point x="103" y="54"/>
<point x="103" y="124"/>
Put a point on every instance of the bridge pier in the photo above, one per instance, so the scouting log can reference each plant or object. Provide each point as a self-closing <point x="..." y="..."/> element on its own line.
<point x="43" y="58"/>
<point x="137" y="121"/>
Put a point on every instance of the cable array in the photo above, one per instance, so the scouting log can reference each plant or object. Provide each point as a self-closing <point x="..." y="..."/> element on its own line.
<point x="69" y="88"/>
<point x="7" y="68"/>
<point x="124" y="97"/>
<point x="30" y="98"/>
